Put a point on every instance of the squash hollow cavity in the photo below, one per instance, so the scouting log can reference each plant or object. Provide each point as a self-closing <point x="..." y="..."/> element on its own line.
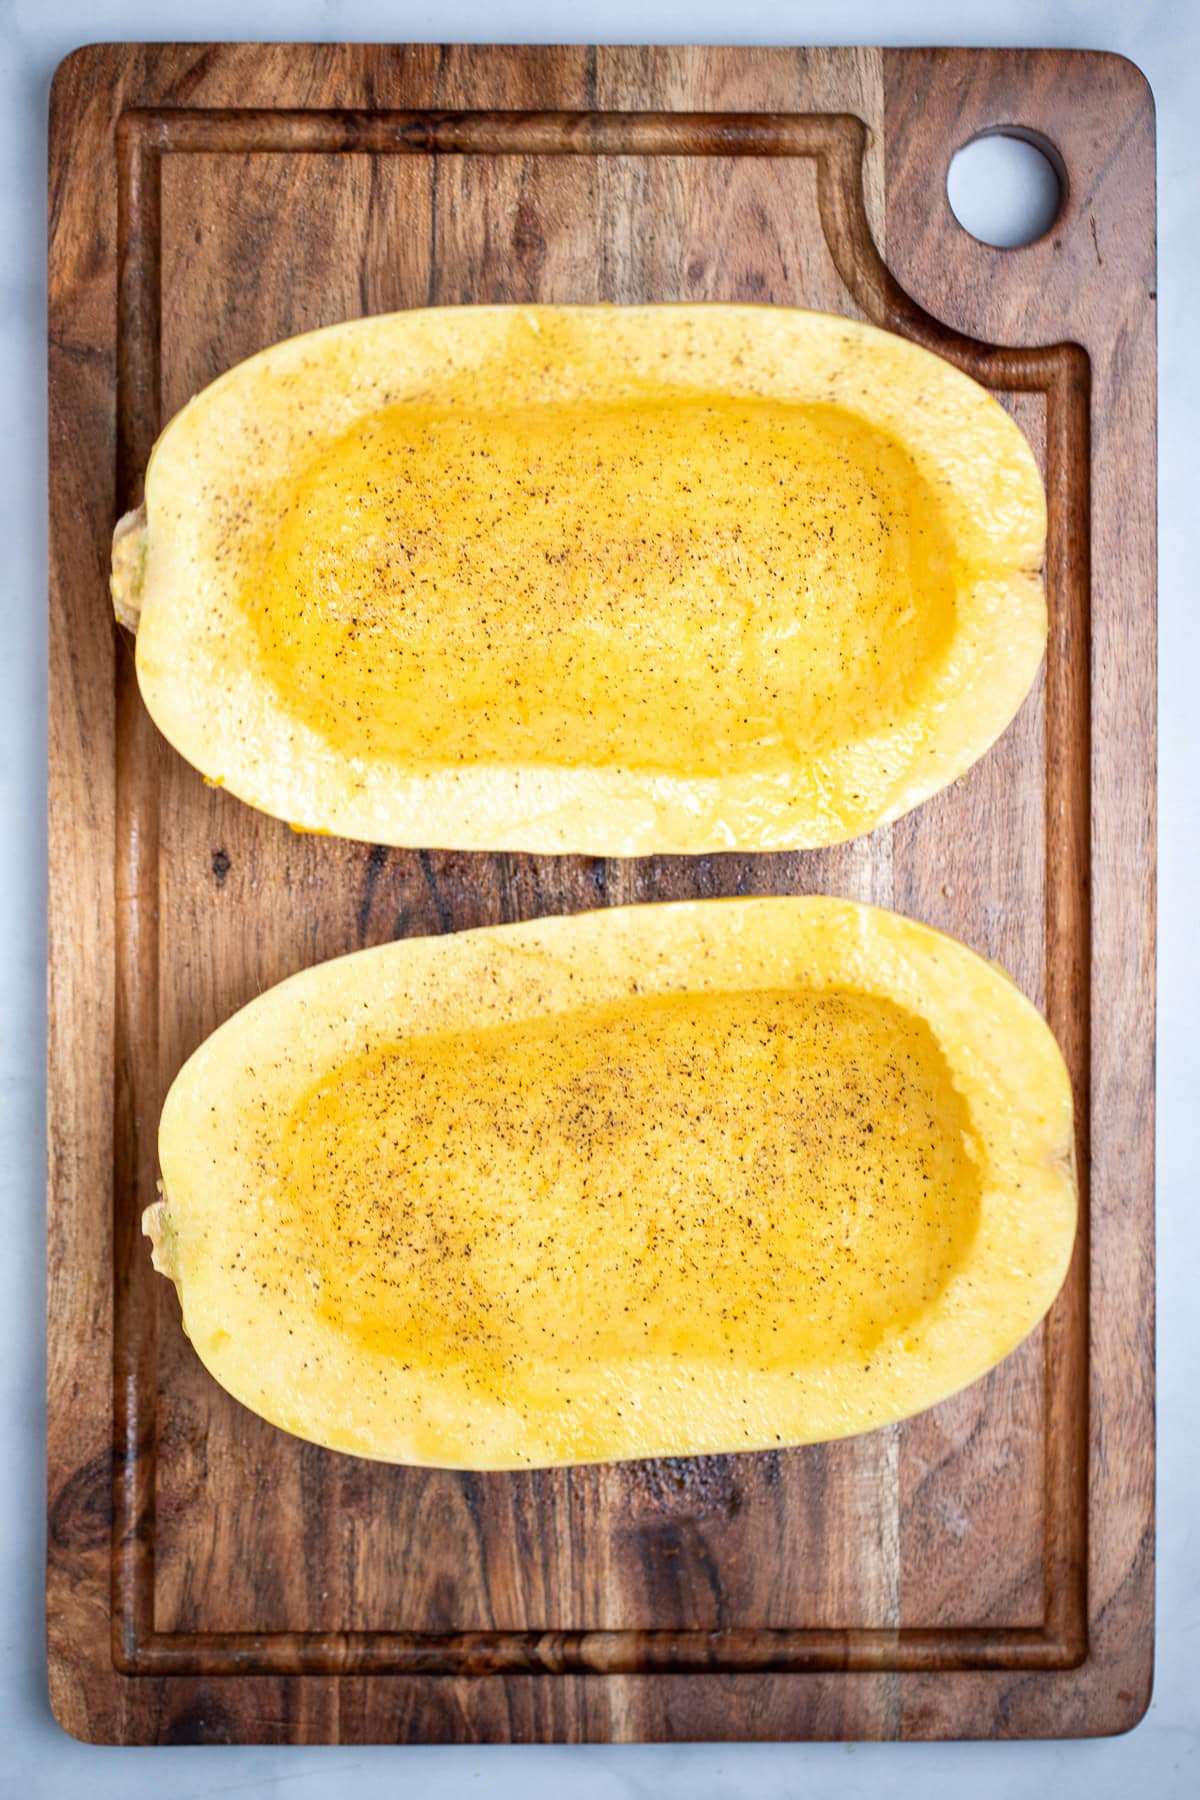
<point x="678" y="584"/>
<point x="773" y="1178"/>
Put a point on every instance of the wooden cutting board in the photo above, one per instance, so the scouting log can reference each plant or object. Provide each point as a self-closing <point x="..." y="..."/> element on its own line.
<point x="983" y="1569"/>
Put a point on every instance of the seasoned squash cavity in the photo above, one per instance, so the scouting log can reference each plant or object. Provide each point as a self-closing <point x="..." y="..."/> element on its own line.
<point x="834" y="1220"/>
<point x="727" y="602"/>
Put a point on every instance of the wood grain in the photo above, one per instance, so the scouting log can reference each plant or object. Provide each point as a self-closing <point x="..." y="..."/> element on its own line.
<point x="984" y="1569"/>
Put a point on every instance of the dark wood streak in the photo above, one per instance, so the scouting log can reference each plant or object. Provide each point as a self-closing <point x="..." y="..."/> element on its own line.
<point x="80" y="1515"/>
<point x="376" y="859"/>
<point x="969" y="1574"/>
<point x="444" y="915"/>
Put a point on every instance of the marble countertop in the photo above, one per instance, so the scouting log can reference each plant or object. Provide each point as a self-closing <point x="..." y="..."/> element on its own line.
<point x="1162" y="1757"/>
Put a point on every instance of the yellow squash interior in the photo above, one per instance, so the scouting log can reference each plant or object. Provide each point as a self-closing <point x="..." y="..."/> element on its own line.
<point x="727" y="600"/>
<point x="661" y="1180"/>
<point x="617" y="580"/>
<point x="702" y="1222"/>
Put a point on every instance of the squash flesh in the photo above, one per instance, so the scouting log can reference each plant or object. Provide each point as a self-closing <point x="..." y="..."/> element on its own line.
<point x="728" y="601"/>
<point x="645" y="1119"/>
<point x="613" y="580"/>
<point x="662" y="1180"/>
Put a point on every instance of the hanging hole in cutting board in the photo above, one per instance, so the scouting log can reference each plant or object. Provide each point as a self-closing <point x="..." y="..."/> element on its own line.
<point x="1007" y="187"/>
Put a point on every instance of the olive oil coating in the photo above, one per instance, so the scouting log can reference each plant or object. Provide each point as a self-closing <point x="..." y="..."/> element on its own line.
<point x="671" y="583"/>
<point x="773" y="1177"/>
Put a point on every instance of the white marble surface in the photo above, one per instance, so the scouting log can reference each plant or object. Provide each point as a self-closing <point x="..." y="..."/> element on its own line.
<point x="1161" y="1758"/>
